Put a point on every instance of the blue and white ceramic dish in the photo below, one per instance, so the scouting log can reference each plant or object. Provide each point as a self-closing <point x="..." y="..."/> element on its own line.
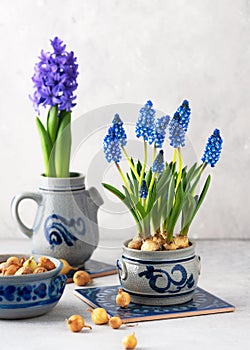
<point x="30" y="295"/>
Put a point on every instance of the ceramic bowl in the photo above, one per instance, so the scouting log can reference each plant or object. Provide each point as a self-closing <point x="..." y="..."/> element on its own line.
<point x="30" y="295"/>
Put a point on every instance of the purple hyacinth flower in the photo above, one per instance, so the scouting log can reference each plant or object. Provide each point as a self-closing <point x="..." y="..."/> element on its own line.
<point x="158" y="165"/>
<point x="111" y="147"/>
<point x="213" y="149"/>
<point x="55" y="78"/>
<point x="145" y="124"/>
<point x="160" y="130"/>
<point x="143" y="190"/>
<point x="119" y="131"/>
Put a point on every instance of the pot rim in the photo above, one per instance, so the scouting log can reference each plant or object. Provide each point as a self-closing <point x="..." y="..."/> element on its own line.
<point x="75" y="182"/>
<point x="73" y="175"/>
<point x="160" y="254"/>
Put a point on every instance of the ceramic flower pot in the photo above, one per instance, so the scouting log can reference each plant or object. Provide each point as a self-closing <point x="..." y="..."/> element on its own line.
<point x="159" y="277"/>
<point x="65" y="225"/>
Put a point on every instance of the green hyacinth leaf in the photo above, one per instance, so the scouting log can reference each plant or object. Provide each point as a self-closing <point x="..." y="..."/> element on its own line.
<point x="46" y="148"/>
<point x="63" y="146"/>
<point x="52" y="123"/>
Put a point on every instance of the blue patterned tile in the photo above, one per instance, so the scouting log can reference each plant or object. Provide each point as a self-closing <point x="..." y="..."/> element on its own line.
<point x="202" y="303"/>
<point x="95" y="269"/>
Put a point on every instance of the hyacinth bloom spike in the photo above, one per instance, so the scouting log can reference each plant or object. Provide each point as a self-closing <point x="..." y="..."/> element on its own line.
<point x="213" y="149"/>
<point x="160" y="130"/>
<point x="183" y="113"/>
<point x="55" y="78"/>
<point x="158" y="165"/>
<point x="55" y="81"/>
<point x="145" y="123"/>
<point x="119" y="131"/>
<point x="176" y="133"/>
<point x="111" y="147"/>
<point x="143" y="190"/>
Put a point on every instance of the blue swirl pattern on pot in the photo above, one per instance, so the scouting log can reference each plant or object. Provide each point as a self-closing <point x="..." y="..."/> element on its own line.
<point x="58" y="230"/>
<point x="153" y="275"/>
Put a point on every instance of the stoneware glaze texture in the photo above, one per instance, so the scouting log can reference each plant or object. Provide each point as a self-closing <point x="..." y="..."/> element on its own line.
<point x="159" y="278"/>
<point x="66" y="221"/>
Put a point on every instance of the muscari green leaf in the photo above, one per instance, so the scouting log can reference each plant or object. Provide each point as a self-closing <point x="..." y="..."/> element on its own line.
<point x="139" y="167"/>
<point x="199" y="200"/>
<point x="123" y="198"/>
<point x="188" y="209"/>
<point x="170" y="197"/>
<point x="175" y="212"/>
<point x="151" y="199"/>
<point x="135" y="203"/>
<point x="148" y="177"/>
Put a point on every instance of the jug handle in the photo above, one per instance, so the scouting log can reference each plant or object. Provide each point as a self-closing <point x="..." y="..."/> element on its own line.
<point x="95" y="196"/>
<point x="15" y="210"/>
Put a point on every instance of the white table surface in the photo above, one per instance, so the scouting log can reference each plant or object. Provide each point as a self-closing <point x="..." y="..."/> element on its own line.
<point x="225" y="272"/>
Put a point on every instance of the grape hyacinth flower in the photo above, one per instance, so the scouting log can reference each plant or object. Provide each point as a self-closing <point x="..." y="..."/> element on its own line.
<point x="158" y="165"/>
<point x="160" y="130"/>
<point x="119" y="131"/>
<point x="143" y="190"/>
<point x="111" y="147"/>
<point x="55" y="78"/>
<point x="183" y="112"/>
<point x="213" y="149"/>
<point x="145" y="123"/>
<point x="176" y="133"/>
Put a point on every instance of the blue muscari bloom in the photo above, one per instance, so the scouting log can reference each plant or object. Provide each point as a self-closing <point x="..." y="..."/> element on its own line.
<point x="118" y="128"/>
<point x="143" y="190"/>
<point x="176" y="133"/>
<point x="55" y="78"/>
<point x="160" y="130"/>
<point x="213" y="149"/>
<point x="183" y="112"/>
<point x="111" y="147"/>
<point x="145" y="123"/>
<point x="158" y="164"/>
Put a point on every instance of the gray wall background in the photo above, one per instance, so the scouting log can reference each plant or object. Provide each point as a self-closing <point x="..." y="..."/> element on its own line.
<point x="128" y="52"/>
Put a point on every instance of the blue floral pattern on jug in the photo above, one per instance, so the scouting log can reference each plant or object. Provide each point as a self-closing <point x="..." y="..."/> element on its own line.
<point x="33" y="292"/>
<point x="58" y="230"/>
<point x="153" y="275"/>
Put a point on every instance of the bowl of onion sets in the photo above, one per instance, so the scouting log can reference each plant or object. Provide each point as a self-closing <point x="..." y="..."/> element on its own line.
<point x="29" y="286"/>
